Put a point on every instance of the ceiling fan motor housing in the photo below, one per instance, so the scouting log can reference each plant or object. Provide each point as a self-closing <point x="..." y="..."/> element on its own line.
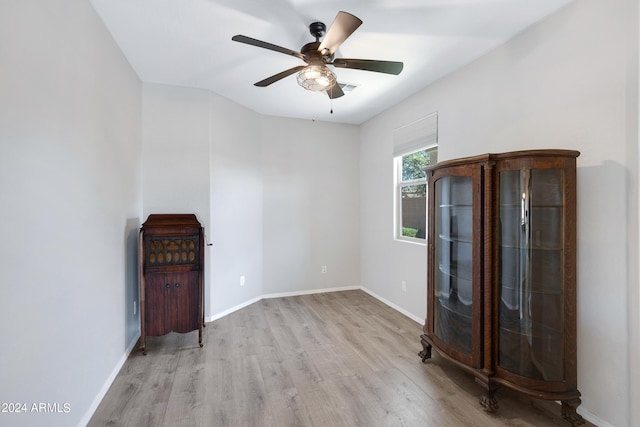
<point x="312" y="55"/>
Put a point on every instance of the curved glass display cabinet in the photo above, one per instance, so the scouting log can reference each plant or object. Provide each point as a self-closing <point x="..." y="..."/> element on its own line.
<point x="501" y="299"/>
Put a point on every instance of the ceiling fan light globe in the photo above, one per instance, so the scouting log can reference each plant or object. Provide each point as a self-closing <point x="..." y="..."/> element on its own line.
<point x="317" y="78"/>
<point x="312" y="73"/>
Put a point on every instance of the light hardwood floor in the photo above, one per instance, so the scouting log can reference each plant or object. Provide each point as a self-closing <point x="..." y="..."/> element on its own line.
<point x="331" y="359"/>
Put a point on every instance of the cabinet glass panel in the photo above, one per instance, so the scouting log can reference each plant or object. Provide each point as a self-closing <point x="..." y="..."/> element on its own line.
<point x="530" y="273"/>
<point x="453" y="261"/>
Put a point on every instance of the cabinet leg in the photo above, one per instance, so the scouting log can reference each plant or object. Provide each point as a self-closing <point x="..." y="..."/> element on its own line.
<point x="426" y="350"/>
<point x="200" y="335"/>
<point x="143" y="345"/>
<point x="488" y="401"/>
<point x="569" y="412"/>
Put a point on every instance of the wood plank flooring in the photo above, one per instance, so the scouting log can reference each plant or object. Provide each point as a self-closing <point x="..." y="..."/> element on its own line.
<point x="330" y="359"/>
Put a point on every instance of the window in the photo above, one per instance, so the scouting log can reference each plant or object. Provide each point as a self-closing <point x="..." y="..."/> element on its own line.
<point x="411" y="193"/>
<point x="415" y="146"/>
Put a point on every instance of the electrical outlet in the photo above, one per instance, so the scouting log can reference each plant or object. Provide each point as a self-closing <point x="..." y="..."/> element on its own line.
<point x="323" y="269"/>
<point x="404" y="286"/>
<point x="241" y="280"/>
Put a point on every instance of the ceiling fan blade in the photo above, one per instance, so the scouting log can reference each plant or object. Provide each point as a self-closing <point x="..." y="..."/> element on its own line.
<point x="265" y="45"/>
<point x="388" y="67"/>
<point x="335" y="91"/>
<point x="342" y="27"/>
<point x="279" y="76"/>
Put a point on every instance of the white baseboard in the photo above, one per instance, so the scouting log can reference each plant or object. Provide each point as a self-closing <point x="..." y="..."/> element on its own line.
<point x="232" y="309"/>
<point x="316" y="291"/>
<point x="592" y="418"/>
<point x="310" y="292"/>
<point x="588" y="416"/>
<point x="394" y="306"/>
<point x="278" y="295"/>
<point x="107" y="384"/>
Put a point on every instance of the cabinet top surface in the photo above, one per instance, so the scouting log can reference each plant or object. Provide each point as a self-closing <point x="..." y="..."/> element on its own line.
<point x="504" y="156"/>
<point x="171" y="220"/>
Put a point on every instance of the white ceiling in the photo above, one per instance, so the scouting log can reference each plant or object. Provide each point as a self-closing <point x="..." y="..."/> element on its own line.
<point x="188" y="43"/>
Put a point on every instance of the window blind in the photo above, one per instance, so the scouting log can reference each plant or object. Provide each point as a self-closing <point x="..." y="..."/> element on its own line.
<point x="416" y="135"/>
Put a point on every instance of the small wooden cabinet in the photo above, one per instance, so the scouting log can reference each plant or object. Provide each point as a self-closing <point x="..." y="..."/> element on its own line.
<point x="171" y="276"/>
<point x="501" y="286"/>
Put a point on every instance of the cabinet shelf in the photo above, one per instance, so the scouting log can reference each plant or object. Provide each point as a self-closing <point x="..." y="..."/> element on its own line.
<point x="454" y="268"/>
<point x="501" y="284"/>
<point x="456" y="307"/>
<point x="532" y="248"/>
<point x="454" y="323"/>
<point x="457" y="206"/>
<point x="529" y="328"/>
<point x="462" y="243"/>
<point x="535" y="290"/>
<point x="455" y="239"/>
<point x="533" y="208"/>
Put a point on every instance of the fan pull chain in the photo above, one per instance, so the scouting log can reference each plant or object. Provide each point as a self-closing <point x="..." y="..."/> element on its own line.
<point x="331" y="98"/>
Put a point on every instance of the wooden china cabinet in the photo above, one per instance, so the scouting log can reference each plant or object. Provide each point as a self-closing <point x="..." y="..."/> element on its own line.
<point x="501" y="299"/>
<point x="171" y="273"/>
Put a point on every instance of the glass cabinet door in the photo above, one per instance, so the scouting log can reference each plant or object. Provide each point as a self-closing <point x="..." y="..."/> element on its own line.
<point x="453" y="266"/>
<point x="530" y="273"/>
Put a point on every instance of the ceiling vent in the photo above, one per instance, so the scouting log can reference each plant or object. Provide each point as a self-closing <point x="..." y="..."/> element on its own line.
<point x="347" y="87"/>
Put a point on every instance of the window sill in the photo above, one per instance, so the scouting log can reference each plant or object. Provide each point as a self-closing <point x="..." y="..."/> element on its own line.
<point x="420" y="242"/>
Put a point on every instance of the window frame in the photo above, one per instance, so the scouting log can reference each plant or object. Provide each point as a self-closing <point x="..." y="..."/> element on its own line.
<point x="399" y="184"/>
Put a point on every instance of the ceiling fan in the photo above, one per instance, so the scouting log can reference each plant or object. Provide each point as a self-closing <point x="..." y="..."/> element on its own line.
<point x="316" y="76"/>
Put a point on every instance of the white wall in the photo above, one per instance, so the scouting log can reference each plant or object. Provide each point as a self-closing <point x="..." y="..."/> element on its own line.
<point x="175" y="150"/>
<point x="385" y="262"/>
<point x="311" y="206"/>
<point x="201" y="155"/>
<point x="279" y="197"/>
<point x="632" y="124"/>
<point x="236" y="206"/>
<point x="563" y="83"/>
<point x="70" y="130"/>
